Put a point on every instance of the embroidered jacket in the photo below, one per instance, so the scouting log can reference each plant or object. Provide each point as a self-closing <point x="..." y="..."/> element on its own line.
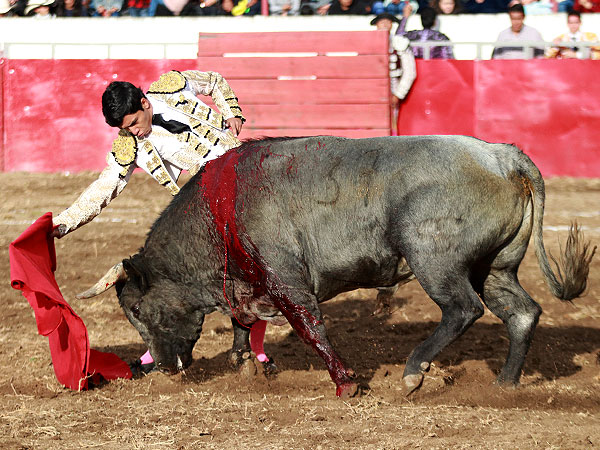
<point x="570" y="40"/>
<point x="162" y="154"/>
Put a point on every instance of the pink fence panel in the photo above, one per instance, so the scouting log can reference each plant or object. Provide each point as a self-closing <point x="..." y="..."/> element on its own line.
<point x="549" y="108"/>
<point x="53" y="112"/>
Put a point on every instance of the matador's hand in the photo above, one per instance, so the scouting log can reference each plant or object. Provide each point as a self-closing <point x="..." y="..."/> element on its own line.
<point x="58" y="231"/>
<point x="235" y="125"/>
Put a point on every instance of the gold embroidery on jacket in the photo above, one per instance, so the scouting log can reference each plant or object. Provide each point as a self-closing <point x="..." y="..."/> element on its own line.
<point x="196" y="111"/>
<point x="157" y="169"/>
<point x="124" y="149"/>
<point x="168" y="83"/>
<point x="193" y="143"/>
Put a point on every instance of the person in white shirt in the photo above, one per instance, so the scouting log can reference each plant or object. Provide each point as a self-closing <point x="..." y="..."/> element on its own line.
<point x="403" y="69"/>
<point x="518" y="33"/>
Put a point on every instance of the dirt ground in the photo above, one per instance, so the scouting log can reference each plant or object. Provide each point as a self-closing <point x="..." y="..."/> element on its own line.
<point x="213" y="406"/>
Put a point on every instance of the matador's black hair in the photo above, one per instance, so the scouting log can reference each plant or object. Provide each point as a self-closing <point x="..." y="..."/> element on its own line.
<point x="120" y="99"/>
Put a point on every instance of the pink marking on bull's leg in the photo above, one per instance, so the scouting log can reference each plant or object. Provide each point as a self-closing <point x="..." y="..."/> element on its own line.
<point x="257" y="339"/>
<point x="312" y="331"/>
<point x="146" y="358"/>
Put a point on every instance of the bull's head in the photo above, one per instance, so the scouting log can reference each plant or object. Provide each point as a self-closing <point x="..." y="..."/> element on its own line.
<point x="162" y="311"/>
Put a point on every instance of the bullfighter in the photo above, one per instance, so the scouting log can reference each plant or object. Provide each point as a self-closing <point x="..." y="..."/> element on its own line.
<point x="164" y="131"/>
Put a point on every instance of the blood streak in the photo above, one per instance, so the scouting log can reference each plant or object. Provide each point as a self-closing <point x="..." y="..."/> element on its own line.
<point x="220" y="183"/>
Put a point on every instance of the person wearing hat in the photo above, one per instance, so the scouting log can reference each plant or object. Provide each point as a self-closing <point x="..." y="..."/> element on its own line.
<point x="40" y="9"/>
<point x="5" y="7"/>
<point x="403" y="69"/>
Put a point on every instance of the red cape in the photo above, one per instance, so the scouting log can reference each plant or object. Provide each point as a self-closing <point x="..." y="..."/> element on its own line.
<point x="32" y="267"/>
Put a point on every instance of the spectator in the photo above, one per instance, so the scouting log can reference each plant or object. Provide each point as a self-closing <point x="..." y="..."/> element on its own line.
<point x="284" y="7"/>
<point x="339" y="7"/>
<point x="565" y="5"/>
<point x="564" y="47"/>
<point x="323" y="9"/>
<point x="138" y="8"/>
<point x="175" y="8"/>
<point x="40" y="9"/>
<point x="6" y="8"/>
<point x="245" y="8"/>
<point x="72" y="8"/>
<point x="311" y="7"/>
<point x="389" y="6"/>
<point x="18" y="7"/>
<point x="586" y="6"/>
<point x="486" y="6"/>
<point x="428" y="17"/>
<point x="403" y="70"/>
<point x="537" y="7"/>
<point x="106" y="8"/>
<point x="210" y="8"/>
<point x="227" y="6"/>
<point x="518" y="32"/>
<point x="447" y="6"/>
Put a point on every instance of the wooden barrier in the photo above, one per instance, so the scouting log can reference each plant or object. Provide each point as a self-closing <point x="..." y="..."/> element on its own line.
<point x="298" y="83"/>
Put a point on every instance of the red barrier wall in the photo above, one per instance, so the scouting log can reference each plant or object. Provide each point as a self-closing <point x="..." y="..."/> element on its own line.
<point x="52" y="120"/>
<point x="53" y="112"/>
<point x="549" y="108"/>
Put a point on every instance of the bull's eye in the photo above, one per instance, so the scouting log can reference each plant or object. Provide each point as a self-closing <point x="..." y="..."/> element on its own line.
<point x="135" y="310"/>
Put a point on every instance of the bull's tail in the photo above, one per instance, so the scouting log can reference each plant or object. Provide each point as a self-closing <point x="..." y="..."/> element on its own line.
<point x="573" y="262"/>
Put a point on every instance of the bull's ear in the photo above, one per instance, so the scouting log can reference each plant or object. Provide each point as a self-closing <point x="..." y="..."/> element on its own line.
<point x="134" y="268"/>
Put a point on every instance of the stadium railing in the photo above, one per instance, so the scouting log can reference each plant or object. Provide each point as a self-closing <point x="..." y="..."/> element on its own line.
<point x="464" y="50"/>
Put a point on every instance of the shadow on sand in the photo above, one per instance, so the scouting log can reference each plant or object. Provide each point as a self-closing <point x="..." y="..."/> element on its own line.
<point x="366" y="343"/>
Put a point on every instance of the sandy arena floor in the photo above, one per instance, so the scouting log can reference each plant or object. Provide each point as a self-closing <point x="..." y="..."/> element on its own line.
<point x="212" y="406"/>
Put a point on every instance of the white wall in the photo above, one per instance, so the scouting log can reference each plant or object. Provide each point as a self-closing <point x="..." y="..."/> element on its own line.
<point x="176" y="37"/>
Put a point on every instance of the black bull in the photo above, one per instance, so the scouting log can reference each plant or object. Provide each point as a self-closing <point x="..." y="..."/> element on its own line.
<point x="277" y="226"/>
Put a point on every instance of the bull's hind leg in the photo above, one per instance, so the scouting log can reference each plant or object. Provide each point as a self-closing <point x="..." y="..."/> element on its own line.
<point x="505" y="297"/>
<point x="460" y="306"/>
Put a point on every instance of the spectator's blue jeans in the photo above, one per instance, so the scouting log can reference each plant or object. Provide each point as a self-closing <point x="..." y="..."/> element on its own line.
<point x="566" y="5"/>
<point x="139" y="12"/>
<point x="153" y="5"/>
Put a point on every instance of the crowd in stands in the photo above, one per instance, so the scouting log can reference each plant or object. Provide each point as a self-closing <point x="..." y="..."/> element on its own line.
<point x="144" y="8"/>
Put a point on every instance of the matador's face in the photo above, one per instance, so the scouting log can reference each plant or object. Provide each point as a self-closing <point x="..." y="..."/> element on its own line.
<point x="139" y="123"/>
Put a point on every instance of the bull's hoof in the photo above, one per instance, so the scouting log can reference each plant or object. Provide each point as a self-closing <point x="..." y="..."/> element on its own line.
<point x="248" y="368"/>
<point x="139" y="370"/>
<point x="270" y="369"/>
<point x="412" y="383"/>
<point x="347" y="390"/>
<point x="237" y="358"/>
<point x="506" y="383"/>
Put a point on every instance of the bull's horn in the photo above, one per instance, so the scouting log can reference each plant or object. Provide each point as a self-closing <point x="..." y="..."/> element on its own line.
<point x="114" y="274"/>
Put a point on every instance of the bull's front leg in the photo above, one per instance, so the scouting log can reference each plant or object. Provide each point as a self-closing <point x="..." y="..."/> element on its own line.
<point x="242" y="346"/>
<point x="305" y="317"/>
<point x="241" y="343"/>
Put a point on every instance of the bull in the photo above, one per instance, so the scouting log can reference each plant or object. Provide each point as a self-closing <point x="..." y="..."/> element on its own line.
<point x="276" y="226"/>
